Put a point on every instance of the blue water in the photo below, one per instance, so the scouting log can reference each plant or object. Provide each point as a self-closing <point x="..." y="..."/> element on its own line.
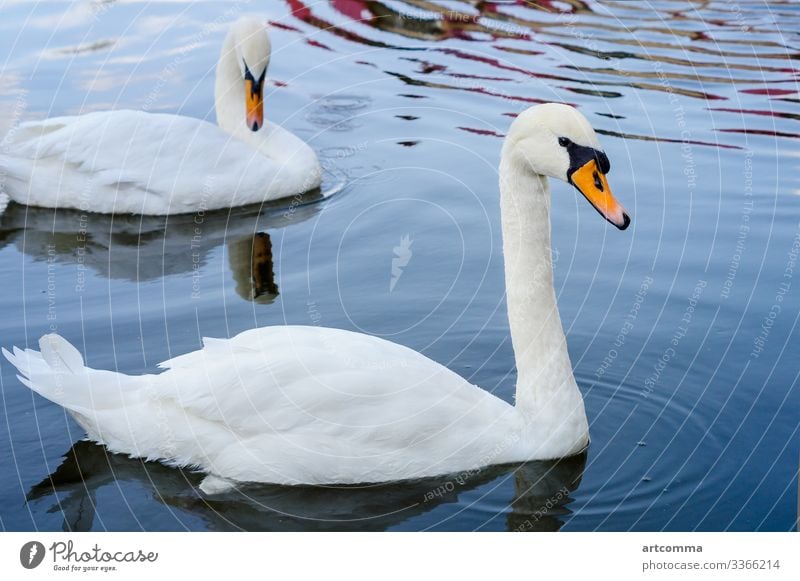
<point x="682" y="329"/>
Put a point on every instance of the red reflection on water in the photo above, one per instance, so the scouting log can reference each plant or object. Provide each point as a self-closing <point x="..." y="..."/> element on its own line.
<point x="284" y="26"/>
<point x="355" y="9"/>
<point x="769" y="92"/>
<point x="482" y="131"/>
<point x="318" y="44"/>
<point x="304" y="13"/>
<point x="780" y="114"/>
<point x="761" y="132"/>
<point x="497" y="64"/>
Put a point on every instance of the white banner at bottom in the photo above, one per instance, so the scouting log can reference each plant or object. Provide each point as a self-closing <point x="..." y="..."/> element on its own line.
<point x="372" y="556"/>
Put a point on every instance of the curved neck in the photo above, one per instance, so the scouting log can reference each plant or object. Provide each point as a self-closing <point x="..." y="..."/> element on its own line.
<point x="544" y="372"/>
<point x="229" y="100"/>
<point x="229" y="94"/>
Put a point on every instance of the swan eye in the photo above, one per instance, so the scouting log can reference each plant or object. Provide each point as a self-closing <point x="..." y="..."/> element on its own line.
<point x="563" y="141"/>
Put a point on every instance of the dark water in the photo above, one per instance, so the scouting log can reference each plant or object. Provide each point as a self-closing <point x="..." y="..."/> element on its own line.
<point x="682" y="330"/>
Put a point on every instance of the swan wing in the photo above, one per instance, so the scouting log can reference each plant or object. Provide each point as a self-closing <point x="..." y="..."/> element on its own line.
<point x="137" y="162"/>
<point x="288" y="405"/>
<point x="284" y="378"/>
<point x="315" y="405"/>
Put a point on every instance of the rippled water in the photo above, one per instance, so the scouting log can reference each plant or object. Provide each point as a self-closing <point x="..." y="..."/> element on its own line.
<point x="682" y="330"/>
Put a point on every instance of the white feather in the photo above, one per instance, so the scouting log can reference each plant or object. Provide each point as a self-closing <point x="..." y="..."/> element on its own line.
<point x="292" y="405"/>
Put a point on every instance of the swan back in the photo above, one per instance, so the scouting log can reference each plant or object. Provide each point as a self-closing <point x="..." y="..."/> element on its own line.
<point x="167" y="164"/>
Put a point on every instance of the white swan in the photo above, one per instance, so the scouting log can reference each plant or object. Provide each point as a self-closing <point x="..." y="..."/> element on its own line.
<point x="146" y="163"/>
<point x="311" y="405"/>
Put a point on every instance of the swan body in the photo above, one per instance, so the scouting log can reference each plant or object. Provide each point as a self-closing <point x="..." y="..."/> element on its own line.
<point x="149" y="163"/>
<point x="305" y="414"/>
<point x="312" y="405"/>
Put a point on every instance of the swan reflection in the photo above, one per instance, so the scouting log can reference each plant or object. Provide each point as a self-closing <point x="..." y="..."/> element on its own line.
<point x="144" y="248"/>
<point x="250" y="258"/>
<point x="542" y="491"/>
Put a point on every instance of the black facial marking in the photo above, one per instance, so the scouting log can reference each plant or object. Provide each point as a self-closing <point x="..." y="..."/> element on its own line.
<point x="580" y="155"/>
<point x="603" y="162"/>
<point x="256" y="84"/>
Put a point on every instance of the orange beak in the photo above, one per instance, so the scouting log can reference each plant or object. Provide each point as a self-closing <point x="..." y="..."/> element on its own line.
<point x="592" y="183"/>
<point x="254" y="101"/>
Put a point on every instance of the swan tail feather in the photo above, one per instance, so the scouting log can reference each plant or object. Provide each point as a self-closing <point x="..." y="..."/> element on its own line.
<point x="58" y="373"/>
<point x="60" y="353"/>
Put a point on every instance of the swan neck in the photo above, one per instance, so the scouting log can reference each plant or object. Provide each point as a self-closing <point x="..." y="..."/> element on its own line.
<point x="229" y="90"/>
<point x="545" y="382"/>
<point x="229" y="102"/>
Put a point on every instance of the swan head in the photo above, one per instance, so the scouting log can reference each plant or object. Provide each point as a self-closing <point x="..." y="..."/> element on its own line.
<point x="557" y="141"/>
<point x="252" y="50"/>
